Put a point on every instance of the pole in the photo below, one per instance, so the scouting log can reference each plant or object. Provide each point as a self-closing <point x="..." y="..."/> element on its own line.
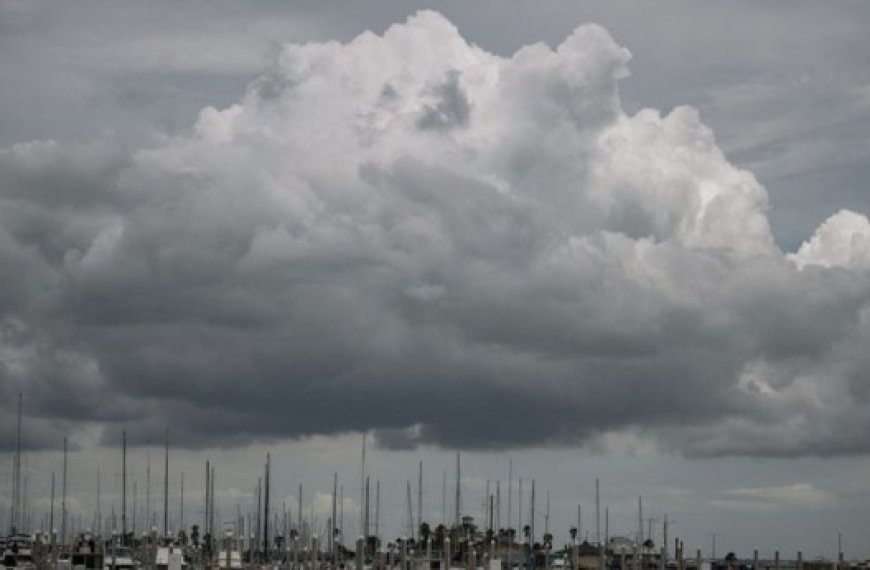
<point x="597" y="512"/>
<point x="362" y="490"/>
<point x="148" y="522"/>
<point x="135" y="500"/>
<point x="16" y="499"/>
<point x="51" y="508"/>
<point x="420" y="497"/>
<point x="532" y="516"/>
<point x="332" y="534"/>
<point x="124" y="487"/>
<point x="205" y="529"/>
<point x="509" y="513"/>
<point x="266" y="509"/>
<point x="63" y="499"/>
<point x="166" y="487"/>
<point x="458" y="506"/>
<point x="378" y="508"/>
<point x="181" y="502"/>
<point x="444" y="498"/>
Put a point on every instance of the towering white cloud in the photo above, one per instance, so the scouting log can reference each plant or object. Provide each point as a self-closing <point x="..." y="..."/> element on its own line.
<point x="843" y="240"/>
<point x="407" y="233"/>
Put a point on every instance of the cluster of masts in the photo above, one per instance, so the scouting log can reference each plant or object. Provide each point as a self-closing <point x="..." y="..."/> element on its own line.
<point x="273" y="538"/>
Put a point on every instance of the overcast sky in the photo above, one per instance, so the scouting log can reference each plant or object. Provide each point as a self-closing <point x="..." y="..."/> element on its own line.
<point x="625" y="241"/>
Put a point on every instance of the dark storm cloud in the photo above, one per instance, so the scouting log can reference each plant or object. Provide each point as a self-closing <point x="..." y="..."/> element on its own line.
<point x="453" y="248"/>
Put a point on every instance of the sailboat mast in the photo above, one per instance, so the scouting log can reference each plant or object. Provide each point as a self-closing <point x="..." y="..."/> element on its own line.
<point x="181" y="502"/>
<point x="366" y="512"/>
<point x="532" y="515"/>
<point x="51" y="508"/>
<point x="99" y="513"/>
<point x="458" y="507"/>
<point x="63" y="499"/>
<point x="148" y="486"/>
<point x="205" y="527"/>
<point x="124" y="487"/>
<point x="444" y="498"/>
<point x="166" y="486"/>
<point x="135" y="500"/>
<point x="410" y="513"/>
<point x="266" y="508"/>
<point x="420" y="497"/>
<point x="334" y="514"/>
<point x="16" y="474"/>
<point x="362" y="488"/>
<point x="597" y="512"/>
<point x="378" y="507"/>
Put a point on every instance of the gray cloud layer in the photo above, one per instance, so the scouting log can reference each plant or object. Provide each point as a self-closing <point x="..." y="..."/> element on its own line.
<point x="409" y="234"/>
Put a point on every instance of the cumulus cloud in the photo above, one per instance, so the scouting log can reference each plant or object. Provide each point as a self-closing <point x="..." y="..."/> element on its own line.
<point x="408" y="234"/>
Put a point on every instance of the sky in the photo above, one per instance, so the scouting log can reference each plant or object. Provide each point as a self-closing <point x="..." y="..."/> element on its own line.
<point x="599" y="240"/>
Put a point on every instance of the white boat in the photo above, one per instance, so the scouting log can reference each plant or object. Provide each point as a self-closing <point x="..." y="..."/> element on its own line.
<point x="230" y="554"/>
<point x="121" y="559"/>
<point x="169" y="557"/>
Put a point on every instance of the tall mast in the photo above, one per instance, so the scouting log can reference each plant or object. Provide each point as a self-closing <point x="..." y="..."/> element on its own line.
<point x="259" y="511"/>
<point x="597" y="512"/>
<point x="148" y="487"/>
<point x="211" y="508"/>
<point x="410" y="513"/>
<point x="266" y="509"/>
<point x="639" y="521"/>
<point x="487" y="511"/>
<point x="458" y="507"/>
<point x="51" y="510"/>
<point x="444" y="498"/>
<point x="498" y="505"/>
<point x="299" y="511"/>
<point x="181" y="502"/>
<point x="135" y="500"/>
<point x="547" y="515"/>
<point x="205" y="528"/>
<point x="520" y="505"/>
<point x="63" y="500"/>
<point x="366" y="512"/>
<point x="99" y="521"/>
<point x="16" y="474"/>
<point x="124" y="487"/>
<point x="378" y="508"/>
<point x="334" y="514"/>
<point x="420" y="497"/>
<point x="166" y="487"/>
<point x="532" y="515"/>
<point x="579" y="522"/>
<point x="510" y="493"/>
<point x="362" y="489"/>
<point x="341" y="513"/>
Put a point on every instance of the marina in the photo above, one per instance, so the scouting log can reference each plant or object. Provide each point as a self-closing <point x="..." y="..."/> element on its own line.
<point x="267" y="537"/>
